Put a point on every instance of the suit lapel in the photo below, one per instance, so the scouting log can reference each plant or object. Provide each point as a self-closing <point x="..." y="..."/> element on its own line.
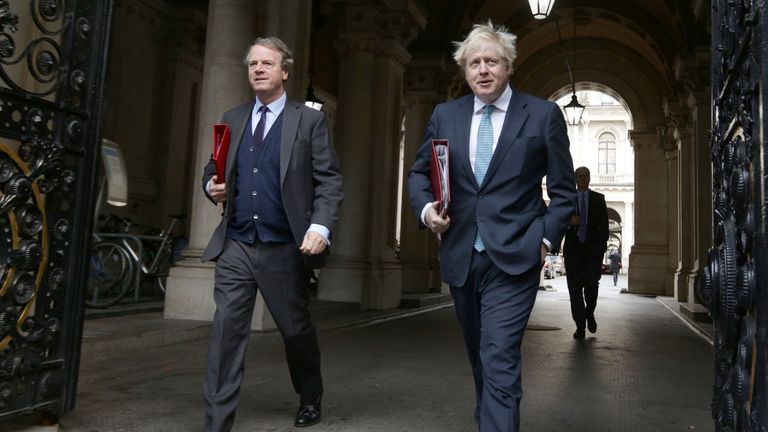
<point x="516" y="117"/>
<point x="237" y="129"/>
<point x="463" y="126"/>
<point x="291" y="117"/>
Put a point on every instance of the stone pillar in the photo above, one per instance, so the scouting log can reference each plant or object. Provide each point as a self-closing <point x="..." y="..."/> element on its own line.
<point x="702" y="185"/>
<point x="673" y="168"/>
<point x="180" y="99"/>
<point x="684" y="219"/>
<point x="363" y="267"/>
<point x="231" y="28"/>
<point x="426" y="85"/>
<point x="628" y="233"/>
<point x="291" y="21"/>
<point x="650" y="254"/>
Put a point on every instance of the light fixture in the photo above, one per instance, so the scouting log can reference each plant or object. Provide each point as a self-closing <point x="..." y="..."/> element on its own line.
<point x="573" y="110"/>
<point x="312" y="101"/>
<point x="541" y="8"/>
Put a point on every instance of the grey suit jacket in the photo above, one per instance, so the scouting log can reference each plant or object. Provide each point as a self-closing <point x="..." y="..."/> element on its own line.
<point x="508" y="208"/>
<point x="310" y="177"/>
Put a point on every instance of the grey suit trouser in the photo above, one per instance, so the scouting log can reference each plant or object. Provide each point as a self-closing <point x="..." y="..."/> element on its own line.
<point x="277" y="269"/>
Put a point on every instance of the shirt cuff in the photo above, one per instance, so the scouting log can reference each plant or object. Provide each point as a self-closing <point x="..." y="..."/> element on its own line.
<point x="547" y="243"/>
<point x="208" y="190"/>
<point x="424" y="214"/>
<point x="323" y="231"/>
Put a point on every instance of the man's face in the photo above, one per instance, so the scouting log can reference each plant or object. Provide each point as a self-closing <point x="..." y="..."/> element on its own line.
<point x="582" y="180"/>
<point x="487" y="73"/>
<point x="265" y="73"/>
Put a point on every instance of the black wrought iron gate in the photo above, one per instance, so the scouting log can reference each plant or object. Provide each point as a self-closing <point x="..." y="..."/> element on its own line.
<point x="733" y="285"/>
<point x="52" y="62"/>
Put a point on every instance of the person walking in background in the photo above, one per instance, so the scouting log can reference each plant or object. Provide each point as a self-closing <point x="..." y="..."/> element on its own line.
<point x="282" y="196"/>
<point x="497" y="229"/>
<point x="614" y="264"/>
<point x="585" y="243"/>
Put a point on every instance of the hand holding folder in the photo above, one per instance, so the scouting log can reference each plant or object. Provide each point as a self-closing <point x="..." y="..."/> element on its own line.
<point x="439" y="174"/>
<point x="221" y="137"/>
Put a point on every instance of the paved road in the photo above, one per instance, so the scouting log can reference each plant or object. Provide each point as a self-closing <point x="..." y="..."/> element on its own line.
<point x="644" y="370"/>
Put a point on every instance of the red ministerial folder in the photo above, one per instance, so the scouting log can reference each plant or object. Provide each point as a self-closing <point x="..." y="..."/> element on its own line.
<point x="220" y="149"/>
<point x="439" y="174"/>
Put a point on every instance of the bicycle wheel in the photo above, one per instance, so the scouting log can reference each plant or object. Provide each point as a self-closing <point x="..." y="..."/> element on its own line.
<point x="161" y="271"/>
<point x="109" y="275"/>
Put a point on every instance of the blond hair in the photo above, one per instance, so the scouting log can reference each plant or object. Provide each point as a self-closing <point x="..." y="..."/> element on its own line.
<point x="483" y="35"/>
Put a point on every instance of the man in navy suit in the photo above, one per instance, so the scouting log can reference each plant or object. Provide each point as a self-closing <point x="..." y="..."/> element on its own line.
<point x="585" y="243"/>
<point x="497" y="229"/>
<point x="282" y="195"/>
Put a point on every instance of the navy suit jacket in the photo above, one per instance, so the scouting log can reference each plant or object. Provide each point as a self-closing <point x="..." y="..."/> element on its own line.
<point x="597" y="230"/>
<point x="508" y="208"/>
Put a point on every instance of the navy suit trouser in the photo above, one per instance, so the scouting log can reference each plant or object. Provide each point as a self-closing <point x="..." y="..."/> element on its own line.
<point x="493" y="308"/>
<point x="582" y="272"/>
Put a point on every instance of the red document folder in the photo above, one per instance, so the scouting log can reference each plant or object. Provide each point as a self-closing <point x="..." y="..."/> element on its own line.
<point x="220" y="149"/>
<point x="439" y="174"/>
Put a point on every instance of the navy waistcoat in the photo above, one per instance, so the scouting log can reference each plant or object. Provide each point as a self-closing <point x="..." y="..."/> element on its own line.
<point x="258" y="202"/>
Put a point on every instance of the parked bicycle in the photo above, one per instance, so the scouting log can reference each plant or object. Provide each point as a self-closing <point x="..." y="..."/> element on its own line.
<point x="121" y="259"/>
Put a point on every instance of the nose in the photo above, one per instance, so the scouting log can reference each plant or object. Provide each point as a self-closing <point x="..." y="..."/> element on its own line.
<point x="483" y="67"/>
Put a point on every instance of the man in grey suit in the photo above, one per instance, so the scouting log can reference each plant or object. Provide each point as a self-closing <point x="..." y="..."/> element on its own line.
<point x="281" y="199"/>
<point x="497" y="229"/>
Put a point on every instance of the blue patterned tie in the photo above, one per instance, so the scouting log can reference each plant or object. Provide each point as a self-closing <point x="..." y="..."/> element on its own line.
<point x="483" y="157"/>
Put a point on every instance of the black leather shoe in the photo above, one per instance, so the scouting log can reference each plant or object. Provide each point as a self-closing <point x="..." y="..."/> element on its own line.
<point x="578" y="334"/>
<point x="308" y="414"/>
<point x="591" y="325"/>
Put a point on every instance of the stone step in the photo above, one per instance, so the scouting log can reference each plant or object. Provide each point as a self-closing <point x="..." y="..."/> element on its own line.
<point x="695" y="312"/>
<point x="126" y="308"/>
<point x="410" y="301"/>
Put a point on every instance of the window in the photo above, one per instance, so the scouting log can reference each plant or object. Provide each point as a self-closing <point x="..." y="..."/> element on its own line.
<point x="607" y="154"/>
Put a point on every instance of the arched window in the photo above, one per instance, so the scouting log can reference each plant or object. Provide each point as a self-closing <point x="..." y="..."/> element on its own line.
<point x="607" y="154"/>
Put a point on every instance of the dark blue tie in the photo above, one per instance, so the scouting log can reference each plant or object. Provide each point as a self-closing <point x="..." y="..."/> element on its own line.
<point x="258" y="134"/>
<point x="582" y="232"/>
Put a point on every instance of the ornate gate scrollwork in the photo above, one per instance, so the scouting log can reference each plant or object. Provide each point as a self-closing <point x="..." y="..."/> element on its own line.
<point x="732" y="285"/>
<point x="52" y="64"/>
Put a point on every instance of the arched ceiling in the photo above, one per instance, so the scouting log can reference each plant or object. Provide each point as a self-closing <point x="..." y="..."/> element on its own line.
<point x="631" y="46"/>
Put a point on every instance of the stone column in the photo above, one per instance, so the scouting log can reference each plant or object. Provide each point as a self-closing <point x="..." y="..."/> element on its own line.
<point x="426" y="85"/>
<point x="685" y="203"/>
<point x="291" y="21"/>
<point x="231" y="28"/>
<point x="628" y="233"/>
<point x="648" y="260"/>
<point x="363" y="267"/>
<point x="180" y="99"/>
<point x="702" y="185"/>
<point x="673" y="168"/>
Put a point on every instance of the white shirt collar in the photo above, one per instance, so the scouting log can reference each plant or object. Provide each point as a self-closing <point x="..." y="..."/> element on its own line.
<point x="276" y="107"/>
<point x="501" y="104"/>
